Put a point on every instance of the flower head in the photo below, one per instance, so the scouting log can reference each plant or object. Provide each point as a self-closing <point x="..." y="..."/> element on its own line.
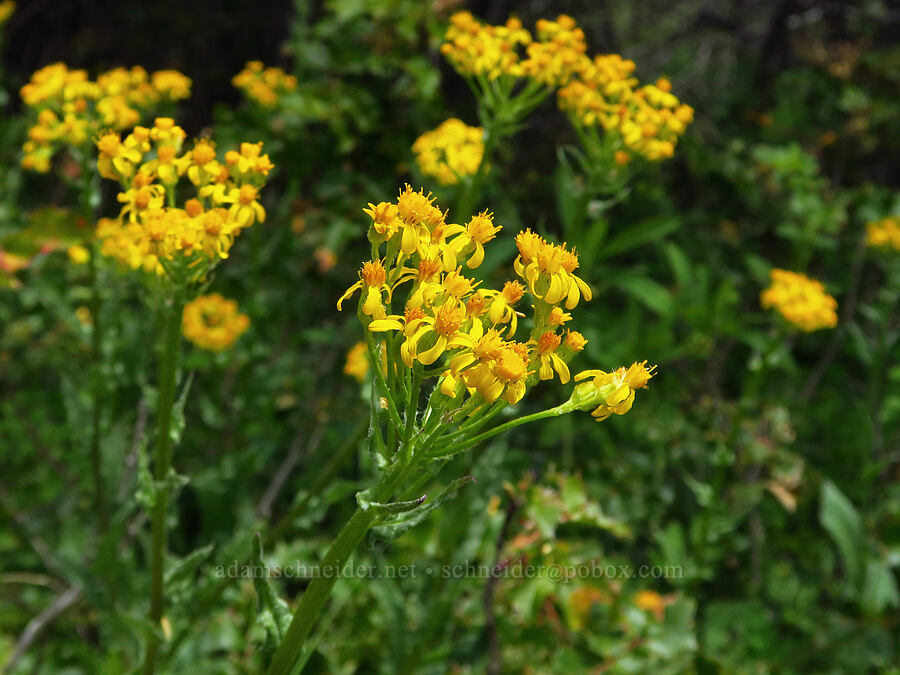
<point x="802" y="301"/>
<point x="884" y="234"/>
<point x="611" y="393"/>
<point x="213" y="322"/>
<point x="451" y="151"/>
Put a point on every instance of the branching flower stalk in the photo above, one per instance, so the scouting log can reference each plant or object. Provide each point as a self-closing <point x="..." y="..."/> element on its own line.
<point x="509" y="73"/>
<point x="67" y="111"/>
<point x="176" y="248"/>
<point x="448" y="363"/>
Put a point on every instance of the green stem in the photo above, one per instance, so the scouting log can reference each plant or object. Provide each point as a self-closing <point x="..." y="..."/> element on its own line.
<point x="316" y="594"/>
<point x="100" y="496"/>
<point x="88" y="199"/>
<point x="168" y="369"/>
<point x="512" y="424"/>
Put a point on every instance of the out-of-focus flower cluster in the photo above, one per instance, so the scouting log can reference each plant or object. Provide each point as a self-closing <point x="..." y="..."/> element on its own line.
<point x="884" y="233"/>
<point x="264" y="85"/>
<point x="449" y="319"/>
<point x="800" y="300"/>
<point x="451" y="151"/>
<point x="599" y="92"/>
<point x="70" y="110"/>
<point x="213" y="322"/>
<point x="152" y="231"/>
<point x="558" y="52"/>
<point x="7" y="8"/>
<point x="484" y="51"/>
<point x="640" y="120"/>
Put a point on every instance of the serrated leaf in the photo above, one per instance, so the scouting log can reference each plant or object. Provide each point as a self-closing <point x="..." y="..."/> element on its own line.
<point x="398" y="526"/>
<point x="268" y="599"/>
<point x="178" y="418"/>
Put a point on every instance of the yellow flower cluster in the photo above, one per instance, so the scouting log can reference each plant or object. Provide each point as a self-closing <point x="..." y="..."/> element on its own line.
<point x="480" y="50"/>
<point x="451" y="151"/>
<point x="596" y="92"/>
<point x="490" y="52"/>
<point x="264" y="85"/>
<point x="153" y="233"/>
<point x="643" y="120"/>
<point x="70" y="109"/>
<point x="448" y="315"/>
<point x="7" y="7"/>
<point x="884" y="233"/>
<point x="800" y="300"/>
<point x="213" y="322"/>
<point x="558" y="52"/>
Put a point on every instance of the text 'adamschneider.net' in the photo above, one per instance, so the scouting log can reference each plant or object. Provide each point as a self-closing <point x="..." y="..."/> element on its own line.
<point x="516" y="570"/>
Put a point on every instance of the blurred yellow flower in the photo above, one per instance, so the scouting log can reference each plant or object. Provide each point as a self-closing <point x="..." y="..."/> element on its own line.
<point x="70" y="109"/>
<point x="357" y="364"/>
<point x="7" y="7"/>
<point x="802" y="301"/>
<point x="213" y="322"/>
<point x="651" y="601"/>
<point x="78" y="255"/>
<point x="884" y="233"/>
<point x="264" y="85"/>
<point x="451" y="151"/>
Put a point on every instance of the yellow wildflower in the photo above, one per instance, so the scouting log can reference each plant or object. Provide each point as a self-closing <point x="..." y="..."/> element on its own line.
<point x="477" y="49"/>
<point x="372" y="279"/>
<point x="7" y="7"/>
<point x="611" y="393"/>
<point x="212" y="322"/>
<point x="800" y="300"/>
<point x="264" y="85"/>
<point x="549" y="270"/>
<point x="549" y="360"/>
<point x="357" y="364"/>
<point x="884" y="233"/>
<point x="558" y="53"/>
<point x="470" y="240"/>
<point x="451" y="151"/>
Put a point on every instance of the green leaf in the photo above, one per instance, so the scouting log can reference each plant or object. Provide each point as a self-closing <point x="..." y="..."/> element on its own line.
<point x="842" y="521"/>
<point x="653" y="295"/>
<point x="183" y="568"/>
<point x="638" y="235"/>
<point x="396" y="527"/>
<point x="879" y="589"/>
<point x="274" y="614"/>
<point x="678" y="261"/>
<point x="393" y="507"/>
<point x="141" y="626"/>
